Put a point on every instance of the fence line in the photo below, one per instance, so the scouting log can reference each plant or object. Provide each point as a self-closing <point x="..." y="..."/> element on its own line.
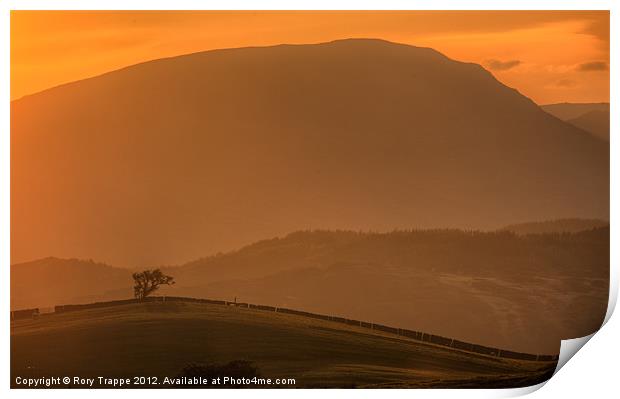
<point x="24" y="314"/>
<point x="415" y="335"/>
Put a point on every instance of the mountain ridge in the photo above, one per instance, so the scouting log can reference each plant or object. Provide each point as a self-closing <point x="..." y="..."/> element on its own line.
<point x="197" y="53"/>
<point x="205" y="152"/>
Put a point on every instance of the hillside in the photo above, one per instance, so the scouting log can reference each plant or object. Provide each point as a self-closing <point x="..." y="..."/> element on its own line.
<point x="522" y="293"/>
<point x="165" y="161"/>
<point x="159" y="339"/>
<point x="556" y="226"/>
<point x="499" y="289"/>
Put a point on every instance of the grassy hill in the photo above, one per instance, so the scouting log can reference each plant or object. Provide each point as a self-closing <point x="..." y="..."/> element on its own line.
<point x="523" y="293"/>
<point x="519" y="292"/>
<point x="159" y="339"/>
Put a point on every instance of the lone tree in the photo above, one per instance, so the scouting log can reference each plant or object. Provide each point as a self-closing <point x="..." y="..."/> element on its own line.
<point x="148" y="281"/>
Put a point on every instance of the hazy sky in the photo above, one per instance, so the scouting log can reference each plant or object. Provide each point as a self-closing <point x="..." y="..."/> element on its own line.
<point x="550" y="56"/>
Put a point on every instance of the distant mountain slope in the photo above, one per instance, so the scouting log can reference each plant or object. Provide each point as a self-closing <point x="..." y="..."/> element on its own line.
<point x="567" y="111"/>
<point x="165" y="161"/>
<point x="595" y="122"/>
<point x="556" y="226"/>
<point x="591" y="117"/>
<point x="160" y="339"/>
<point x="451" y="251"/>
<point x="523" y="293"/>
<point x="52" y="281"/>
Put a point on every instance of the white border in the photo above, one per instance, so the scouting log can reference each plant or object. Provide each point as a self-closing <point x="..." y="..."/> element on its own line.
<point x="595" y="371"/>
<point x="310" y="5"/>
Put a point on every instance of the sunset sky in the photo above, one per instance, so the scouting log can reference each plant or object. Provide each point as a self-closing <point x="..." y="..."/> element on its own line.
<point x="550" y="56"/>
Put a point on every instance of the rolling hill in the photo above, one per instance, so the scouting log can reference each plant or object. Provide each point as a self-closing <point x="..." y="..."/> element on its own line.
<point x="165" y="161"/>
<point x="159" y="339"/>
<point x="521" y="293"/>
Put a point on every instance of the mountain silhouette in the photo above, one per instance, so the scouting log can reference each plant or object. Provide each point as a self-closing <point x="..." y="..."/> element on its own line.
<point x="168" y="160"/>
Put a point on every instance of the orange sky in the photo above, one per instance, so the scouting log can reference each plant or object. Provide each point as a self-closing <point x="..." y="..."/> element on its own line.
<point x="550" y="56"/>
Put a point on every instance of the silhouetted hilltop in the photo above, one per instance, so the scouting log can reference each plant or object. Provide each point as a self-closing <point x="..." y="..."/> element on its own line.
<point x="500" y="289"/>
<point x="167" y="160"/>
<point x="557" y="226"/>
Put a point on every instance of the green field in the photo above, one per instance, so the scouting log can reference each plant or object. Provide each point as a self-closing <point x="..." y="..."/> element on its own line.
<point x="159" y="339"/>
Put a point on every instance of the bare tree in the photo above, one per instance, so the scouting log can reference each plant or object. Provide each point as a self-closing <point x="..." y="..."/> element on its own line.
<point x="148" y="281"/>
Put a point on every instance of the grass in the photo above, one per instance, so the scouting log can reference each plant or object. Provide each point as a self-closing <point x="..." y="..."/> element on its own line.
<point x="159" y="339"/>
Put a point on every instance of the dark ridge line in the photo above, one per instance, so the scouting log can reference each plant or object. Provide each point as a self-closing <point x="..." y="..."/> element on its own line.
<point x="415" y="335"/>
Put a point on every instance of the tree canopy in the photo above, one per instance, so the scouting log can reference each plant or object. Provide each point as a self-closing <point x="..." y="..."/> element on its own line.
<point x="148" y="281"/>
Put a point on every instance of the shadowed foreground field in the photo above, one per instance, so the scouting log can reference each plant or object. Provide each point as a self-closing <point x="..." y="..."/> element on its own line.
<point x="159" y="339"/>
